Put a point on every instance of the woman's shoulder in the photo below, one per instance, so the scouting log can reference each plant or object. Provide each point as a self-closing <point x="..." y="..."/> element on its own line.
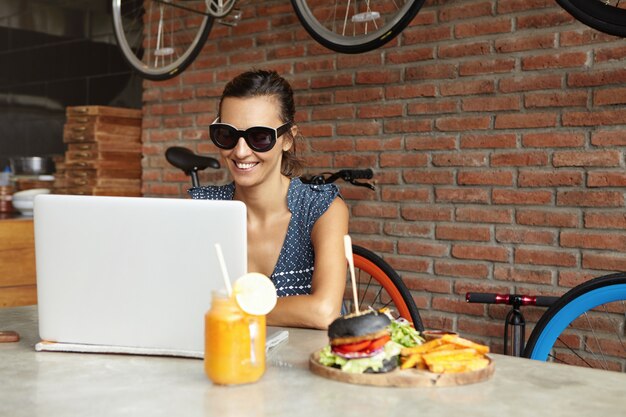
<point x="213" y="192"/>
<point x="310" y="195"/>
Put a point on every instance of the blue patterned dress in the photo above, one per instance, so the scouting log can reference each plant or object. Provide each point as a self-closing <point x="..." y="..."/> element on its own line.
<point x="294" y="269"/>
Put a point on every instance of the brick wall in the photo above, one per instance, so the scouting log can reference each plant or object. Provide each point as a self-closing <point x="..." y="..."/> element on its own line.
<point x="496" y="130"/>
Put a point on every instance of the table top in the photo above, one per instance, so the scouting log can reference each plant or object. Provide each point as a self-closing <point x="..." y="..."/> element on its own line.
<point x="73" y="384"/>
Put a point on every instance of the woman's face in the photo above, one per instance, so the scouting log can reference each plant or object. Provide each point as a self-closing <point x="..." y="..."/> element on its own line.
<point x="247" y="167"/>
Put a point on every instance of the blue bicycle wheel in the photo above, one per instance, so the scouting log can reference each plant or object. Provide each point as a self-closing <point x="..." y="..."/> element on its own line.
<point x="581" y="302"/>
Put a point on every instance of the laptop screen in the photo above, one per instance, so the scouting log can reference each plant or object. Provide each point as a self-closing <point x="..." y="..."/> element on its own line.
<point x="130" y="271"/>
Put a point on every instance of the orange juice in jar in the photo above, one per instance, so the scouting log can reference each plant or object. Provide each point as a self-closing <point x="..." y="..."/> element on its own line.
<point x="234" y="351"/>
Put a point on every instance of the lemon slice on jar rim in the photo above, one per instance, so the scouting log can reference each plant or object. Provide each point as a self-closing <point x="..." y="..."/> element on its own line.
<point x="255" y="293"/>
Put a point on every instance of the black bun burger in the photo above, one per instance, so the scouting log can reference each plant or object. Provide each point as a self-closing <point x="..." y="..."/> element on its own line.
<point x="361" y="343"/>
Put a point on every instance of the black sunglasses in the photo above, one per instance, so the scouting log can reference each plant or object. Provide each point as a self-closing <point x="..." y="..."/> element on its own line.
<point x="258" y="138"/>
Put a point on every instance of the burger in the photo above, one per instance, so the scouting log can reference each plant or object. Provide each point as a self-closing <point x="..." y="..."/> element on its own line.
<point x="361" y="343"/>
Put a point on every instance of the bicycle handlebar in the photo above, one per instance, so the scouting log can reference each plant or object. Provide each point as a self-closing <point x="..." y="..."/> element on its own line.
<point x="348" y="175"/>
<point x="510" y="299"/>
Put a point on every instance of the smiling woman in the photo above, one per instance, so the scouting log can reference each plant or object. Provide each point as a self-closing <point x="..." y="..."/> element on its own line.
<point x="295" y="230"/>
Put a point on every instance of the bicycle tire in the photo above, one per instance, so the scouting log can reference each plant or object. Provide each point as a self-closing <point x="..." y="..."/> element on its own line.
<point x="379" y="285"/>
<point x="176" y="50"/>
<point x="579" y="301"/>
<point x="596" y="14"/>
<point x="315" y="20"/>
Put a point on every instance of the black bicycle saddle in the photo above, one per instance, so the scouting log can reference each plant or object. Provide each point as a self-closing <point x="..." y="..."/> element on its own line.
<point x="188" y="161"/>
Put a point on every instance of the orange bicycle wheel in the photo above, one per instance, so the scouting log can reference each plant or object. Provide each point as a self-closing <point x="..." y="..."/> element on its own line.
<point x="379" y="286"/>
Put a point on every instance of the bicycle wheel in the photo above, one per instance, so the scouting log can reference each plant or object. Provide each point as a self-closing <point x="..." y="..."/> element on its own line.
<point x="378" y="286"/>
<point x="160" y="38"/>
<point x="585" y="326"/>
<point x="355" y="26"/>
<point x="608" y="16"/>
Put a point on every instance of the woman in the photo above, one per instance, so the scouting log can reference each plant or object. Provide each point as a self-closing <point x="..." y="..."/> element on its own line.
<point x="295" y="230"/>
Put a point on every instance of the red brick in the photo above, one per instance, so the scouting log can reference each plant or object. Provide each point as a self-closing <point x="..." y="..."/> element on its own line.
<point x="365" y="226"/>
<point x="463" y="49"/>
<point x="607" y="262"/>
<point x="388" y="76"/>
<point x="376" y="144"/>
<point x="477" y="141"/>
<point x="403" y="160"/>
<point x="410" y="264"/>
<point x="460" y="232"/>
<point x="363" y="128"/>
<point x="430" y="285"/>
<point x="332" y="113"/>
<point x="609" y="96"/>
<point x="610" y="53"/>
<point x="406" y="56"/>
<point x="380" y="111"/>
<point x="602" y="118"/>
<point x="459" y="269"/>
<point x="555" y="99"/>
<point x="422" y="249"/>
<point x="426" y="213"/>
<point x="545" y="256"/>
<point x="508" y="6"/>
<point x="328" y="81"/>
<point x="484" y="104"/>
<point x="590" y="198"/>
<point x="406" y="125"/>
<point x="420" y="195"/>
<point x="355" y="161"/>
<point x="408" y="91"/>
<point x="605" y="220"/>
<point x="507" y="273"/>
<point x="484" y="253"/>
<point x="464" y="11"/>
<point x="430" y="72"/>
<point x="534" y="178"/>
<point x="553" y="140"/>
<point x="356" y="61"/>
<point x="363" y="94"/>
<point x="375" y="210"/>
<point x="520" y="159"/>
<point x="562" y="60"/>
<point x="433" y="107"/>
<point x="485" y="177"/>
<point x="608" y="138"/>
<point x="332" y="145"/>
<point x="464" y="195"/>
<point x="466" y="159"/>
<point x="465" y="87"/>
<point x="596" y="78"/>
<point x="430" y="143"/>
<point x="405" y="229"/>
<point x="484" y="215"/>
<point x="544" y="19"/>
<point x="550" y="218"/>
<point x="428" y="176"/>
<point x="583" y="37"/>
<point x="525" y="120"/>
<point x="463" y="123"/>
<point x="570" y="279"/>
<point x="586" y="158"/>
<point x="525" y="235"/>
<point x="526" y="43"/>
<point x="490" y="26"/>
<point x="455" y="305"/>
<point x="588" y="240"/>
<point x="486" y="66"/>
<point x="530" y="83"/>
<point x="606" y="179"/>
<point x="538" y="197"/>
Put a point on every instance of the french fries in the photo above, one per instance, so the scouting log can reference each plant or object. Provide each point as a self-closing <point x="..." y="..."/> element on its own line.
<point x="448" y="354"/>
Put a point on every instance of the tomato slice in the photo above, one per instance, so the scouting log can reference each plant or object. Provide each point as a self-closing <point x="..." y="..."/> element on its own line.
<point x="352" y="347"/>
<point x="378" y="343"/>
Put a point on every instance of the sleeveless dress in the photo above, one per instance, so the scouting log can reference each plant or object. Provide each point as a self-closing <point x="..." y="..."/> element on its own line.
<point x="307" y="202"/>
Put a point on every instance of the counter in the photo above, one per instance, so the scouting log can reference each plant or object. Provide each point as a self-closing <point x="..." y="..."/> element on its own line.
<point x="17" y="262"/>
<point x="72" y="384"/>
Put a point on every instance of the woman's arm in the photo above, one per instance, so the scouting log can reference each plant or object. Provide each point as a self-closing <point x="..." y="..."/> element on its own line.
<point x="323" y="305"/>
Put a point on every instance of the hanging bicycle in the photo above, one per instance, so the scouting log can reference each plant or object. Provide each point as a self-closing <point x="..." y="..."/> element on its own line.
<point x="160" y="38"/>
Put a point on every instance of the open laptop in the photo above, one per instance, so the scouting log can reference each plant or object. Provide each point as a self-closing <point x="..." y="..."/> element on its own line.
<point x="131" y="274"/>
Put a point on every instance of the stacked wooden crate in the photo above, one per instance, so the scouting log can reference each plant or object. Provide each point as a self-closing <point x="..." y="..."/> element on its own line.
<point x="103" y="154"/>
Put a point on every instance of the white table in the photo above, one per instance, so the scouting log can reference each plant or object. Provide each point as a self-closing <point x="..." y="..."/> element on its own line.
<point x="55" y="384"/>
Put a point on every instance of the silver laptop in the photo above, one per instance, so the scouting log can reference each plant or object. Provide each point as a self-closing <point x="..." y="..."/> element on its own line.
<point x="130" y="274"/>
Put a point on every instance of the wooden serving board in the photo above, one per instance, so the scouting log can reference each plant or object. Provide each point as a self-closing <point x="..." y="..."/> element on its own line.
<point x="402" y="378"/>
